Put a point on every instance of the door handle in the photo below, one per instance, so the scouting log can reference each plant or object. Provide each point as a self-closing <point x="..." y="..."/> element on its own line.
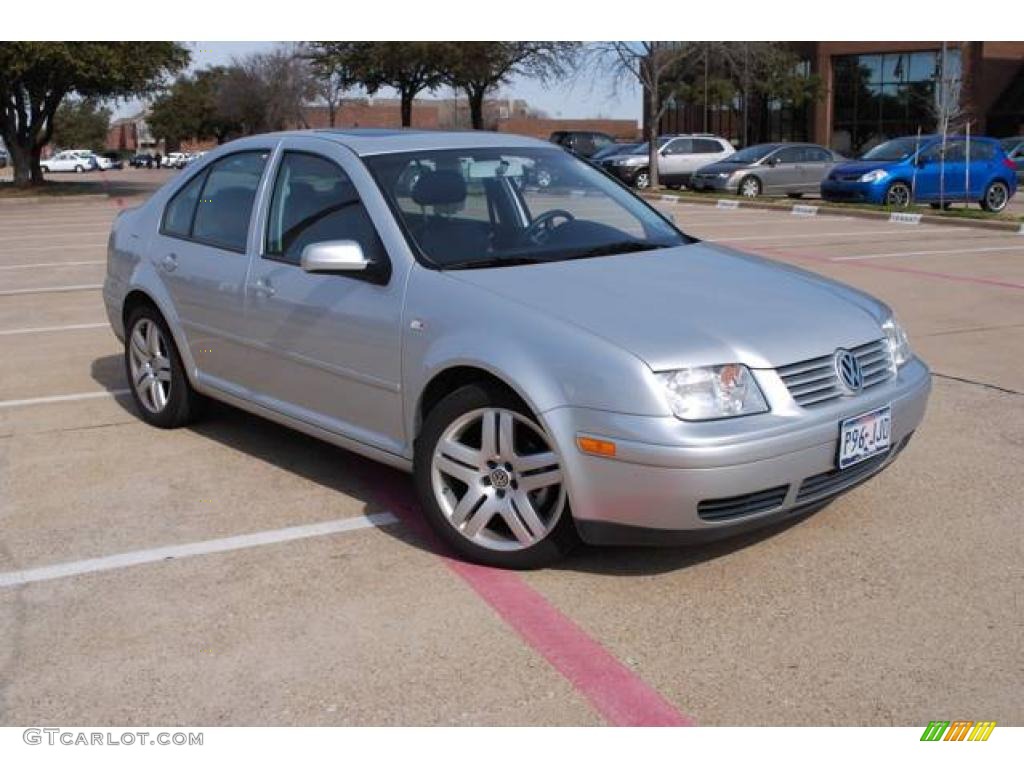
<point x="263" y="288"/>
<point x="169" y="263"/>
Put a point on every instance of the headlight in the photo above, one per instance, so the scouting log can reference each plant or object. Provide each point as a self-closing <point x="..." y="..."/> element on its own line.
<point x="876" y="175"/>
<point x="899" y="344"/>
<point x="724" y="175"/>
<point x="698" y="394"/>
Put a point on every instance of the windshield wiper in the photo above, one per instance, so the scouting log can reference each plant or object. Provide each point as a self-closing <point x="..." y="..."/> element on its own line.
<point x="496" y="261"/>
<point x="610" y="249"/>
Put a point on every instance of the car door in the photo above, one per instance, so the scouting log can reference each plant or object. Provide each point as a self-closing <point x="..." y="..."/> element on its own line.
<point x="782" y="170"/>
<point x="938" y="179"/>
<point x="672" y="160"/>
<point x="201" y="254"/>
<point x="816" y="163"/>
<point x="328" y="346"/>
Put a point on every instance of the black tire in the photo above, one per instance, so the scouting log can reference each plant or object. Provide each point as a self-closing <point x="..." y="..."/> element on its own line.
<point x="643" y="179"/>
<point x="559" y="540"/>
<point x="750" y="187"/>
<point x="79" y="169"/>
<point x="996" y="197"/>
<point x="898" y="195"/>
<point x="183" y="403"/>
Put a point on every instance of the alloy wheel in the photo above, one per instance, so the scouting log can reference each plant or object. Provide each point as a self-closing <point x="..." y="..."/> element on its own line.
<point x="150" y="365"/>
<point x="497" y="480"/>
<point x="995" y="197"/>
<point x="750" y="187"/>
<point x="643" y="180"/>
<point x="898" y="195"/>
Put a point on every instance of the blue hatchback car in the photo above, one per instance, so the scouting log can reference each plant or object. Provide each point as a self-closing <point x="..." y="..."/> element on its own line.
<point x="909" y="169"/>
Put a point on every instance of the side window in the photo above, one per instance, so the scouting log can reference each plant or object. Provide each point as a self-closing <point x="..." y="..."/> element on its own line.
<point x="314" y="201"/>
<point x="225" y="206"/>
<point x="600" y="140"/>
<point x="817" y="155"/>
<point x="790" y="155"/>
<point x="982" y="150"/>
<point x="706" y="146"/>
<point x="679" y="147"/>
<point x="179" y="212"/>
<point x="956" y="151"/>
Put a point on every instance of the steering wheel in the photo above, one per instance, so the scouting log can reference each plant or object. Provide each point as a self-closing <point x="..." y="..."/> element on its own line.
<point x="542" y="227"/>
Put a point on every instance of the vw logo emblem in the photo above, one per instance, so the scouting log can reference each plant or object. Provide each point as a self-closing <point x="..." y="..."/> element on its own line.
<point x="848" y="370"/>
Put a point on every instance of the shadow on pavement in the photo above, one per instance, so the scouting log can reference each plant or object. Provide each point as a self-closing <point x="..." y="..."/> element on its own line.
<point x="381" y="488"/>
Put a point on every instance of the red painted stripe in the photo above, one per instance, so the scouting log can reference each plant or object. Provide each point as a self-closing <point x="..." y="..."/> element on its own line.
<point x="618" y="695"/>
<point x="888" y="268"/>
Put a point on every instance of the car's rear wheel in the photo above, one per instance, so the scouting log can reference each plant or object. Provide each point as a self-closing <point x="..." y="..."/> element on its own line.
<point x="489" y="480"/>
<point x="750" y="186"/>
<point x="898" y="195"/>
<point x="997" y="195"/>
<point x="79" y="169"/>
<point x="161" y="390"/>
<point x="642" y="180"/>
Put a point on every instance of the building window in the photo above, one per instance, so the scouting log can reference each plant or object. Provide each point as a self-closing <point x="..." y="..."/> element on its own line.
<point x="883" y="95"/>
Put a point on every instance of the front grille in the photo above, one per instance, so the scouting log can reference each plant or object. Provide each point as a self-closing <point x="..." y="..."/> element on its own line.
<point x="814" y="382"/>
<point x="738" y="506"/>
<point x="837" y="480"/>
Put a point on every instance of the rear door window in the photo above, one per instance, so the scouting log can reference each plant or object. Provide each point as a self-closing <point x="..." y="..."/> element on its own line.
<point x="706" y="146"/>
<point x="225" y="206"/>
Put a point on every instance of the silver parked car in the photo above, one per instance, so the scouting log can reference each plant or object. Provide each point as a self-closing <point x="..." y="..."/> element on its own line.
<point x="771" y="169"/>
<point x="550" y="364"/>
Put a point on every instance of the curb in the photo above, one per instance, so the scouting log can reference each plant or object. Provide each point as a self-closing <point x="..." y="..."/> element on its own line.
<point x="28" y="199"/>
<point x="823" y="210"/>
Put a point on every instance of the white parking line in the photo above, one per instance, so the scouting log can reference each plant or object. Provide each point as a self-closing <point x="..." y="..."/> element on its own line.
<point x="63" y="398"/>
<point x="210" y="546"/>
<point x="52" y="289"/>
<point x="51" y="264"/>
<point x="895" y="254"/>
<point x="51" y="328"/>
<point x="63" y="247"/>
<point x="893" y="230"/>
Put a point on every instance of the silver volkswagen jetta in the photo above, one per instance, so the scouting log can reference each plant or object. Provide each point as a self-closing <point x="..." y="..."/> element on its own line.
<point x="551" y="364"/>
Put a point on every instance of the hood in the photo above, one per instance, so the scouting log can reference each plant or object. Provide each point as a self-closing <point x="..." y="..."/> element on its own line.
<point x="861" y="167"/>
<point x="724" y="167"/>
<point x="697" y="304"/>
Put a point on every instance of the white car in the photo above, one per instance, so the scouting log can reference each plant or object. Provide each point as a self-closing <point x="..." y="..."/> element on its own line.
<point x="70" y="160"/>
<point x="678" y="158"/>
<point x="103" y="163"/>
<point x="174" y="160"/>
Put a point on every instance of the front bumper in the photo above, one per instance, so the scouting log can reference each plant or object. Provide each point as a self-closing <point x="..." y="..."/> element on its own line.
<point x="624" y="173"/>
<point x="701" y="182"/>
<point x="834" y="191"/>
<point x="666" y="471"/>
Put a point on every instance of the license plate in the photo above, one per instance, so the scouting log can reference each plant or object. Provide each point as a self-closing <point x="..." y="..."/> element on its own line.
<point x="864" y="436"/>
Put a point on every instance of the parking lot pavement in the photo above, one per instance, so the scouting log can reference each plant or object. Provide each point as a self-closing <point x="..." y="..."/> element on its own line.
<point x="898" y="601"/>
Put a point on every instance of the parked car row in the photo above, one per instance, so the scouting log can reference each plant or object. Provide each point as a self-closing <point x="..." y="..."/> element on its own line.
<point x="896" y="173"/>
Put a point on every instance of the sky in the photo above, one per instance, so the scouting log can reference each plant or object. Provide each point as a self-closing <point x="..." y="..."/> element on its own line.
<point x="582" y="97"/>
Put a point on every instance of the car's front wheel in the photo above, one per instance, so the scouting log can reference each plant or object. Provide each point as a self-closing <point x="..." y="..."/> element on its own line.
<point x="997" y="195"/>
<point x="642" y="180"/>
<point x="489" y="480"/>
<point x="161" y="390"/>
<point x="750" y="186"/>
<point x="898" y="195"/>
<point x="79" y="169"/>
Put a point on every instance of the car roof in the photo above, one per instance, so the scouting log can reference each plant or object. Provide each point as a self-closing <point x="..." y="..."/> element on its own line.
<point x="377" y="141"/>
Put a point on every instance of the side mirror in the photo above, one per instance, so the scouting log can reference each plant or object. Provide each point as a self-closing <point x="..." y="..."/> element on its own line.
<point x="334" y="256"/>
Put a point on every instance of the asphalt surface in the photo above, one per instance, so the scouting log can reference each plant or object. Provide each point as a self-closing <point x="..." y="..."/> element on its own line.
<point x="899" y="603"/>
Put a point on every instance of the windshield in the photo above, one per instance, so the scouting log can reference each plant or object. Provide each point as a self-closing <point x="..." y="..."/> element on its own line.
<point x="751" y="154"/>
<point x="897" y="149"/>
<point x="470" y="208"/>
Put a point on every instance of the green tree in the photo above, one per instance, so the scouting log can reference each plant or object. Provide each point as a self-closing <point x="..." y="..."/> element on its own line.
<point x="35" y="77"/>
<point x="480" y="67"/>
<point x="81" y="123"/>
<point x="408" y="67"/>
<point x="190" y="109"/>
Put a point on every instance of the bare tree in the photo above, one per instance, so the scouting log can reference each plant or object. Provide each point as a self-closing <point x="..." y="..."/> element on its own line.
<point x="333" y="76"/>
<point x="649" y="64"/>
<point x="267" y="91"/>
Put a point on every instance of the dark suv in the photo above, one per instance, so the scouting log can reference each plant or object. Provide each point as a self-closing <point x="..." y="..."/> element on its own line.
<point x="581" y="143"/>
